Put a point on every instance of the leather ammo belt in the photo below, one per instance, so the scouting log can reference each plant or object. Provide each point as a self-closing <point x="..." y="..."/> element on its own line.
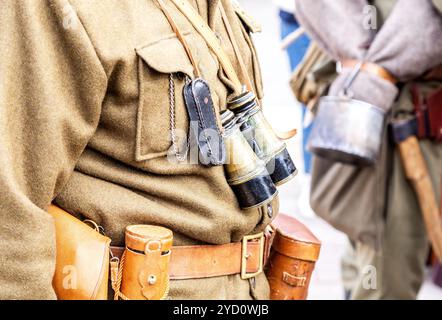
<point x="206" y="261"/>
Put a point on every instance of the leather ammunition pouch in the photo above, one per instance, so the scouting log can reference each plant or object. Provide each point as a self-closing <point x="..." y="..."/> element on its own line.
<point x="141" y="272"/>
<point x="293" y="255"/>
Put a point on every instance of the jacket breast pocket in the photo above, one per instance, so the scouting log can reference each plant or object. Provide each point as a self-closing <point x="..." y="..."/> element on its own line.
<point x="157" y="61"/>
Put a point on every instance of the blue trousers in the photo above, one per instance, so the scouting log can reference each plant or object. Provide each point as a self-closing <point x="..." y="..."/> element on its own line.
<point x="296" y="52"/>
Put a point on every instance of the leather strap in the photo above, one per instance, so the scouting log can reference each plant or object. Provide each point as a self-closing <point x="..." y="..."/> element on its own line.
<point x="180" y="37"/>
<point x="206" y="261"/>
<point x="370" y="68"/>
<point x="212" y="41"/>
<point x="235" y="46"/>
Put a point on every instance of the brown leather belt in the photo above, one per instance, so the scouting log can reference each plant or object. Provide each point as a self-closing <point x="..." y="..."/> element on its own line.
<point x="206" y="261"/>
<point x="370" y="68"/>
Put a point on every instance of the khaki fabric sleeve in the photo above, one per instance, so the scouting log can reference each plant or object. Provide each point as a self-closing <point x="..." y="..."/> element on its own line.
<point x="52" y="85"/>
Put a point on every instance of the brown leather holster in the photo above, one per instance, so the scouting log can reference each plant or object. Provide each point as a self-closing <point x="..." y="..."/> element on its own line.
<point x="293" y="255"/>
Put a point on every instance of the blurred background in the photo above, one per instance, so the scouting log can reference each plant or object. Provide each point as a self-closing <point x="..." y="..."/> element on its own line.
<point x="284" y="113"/>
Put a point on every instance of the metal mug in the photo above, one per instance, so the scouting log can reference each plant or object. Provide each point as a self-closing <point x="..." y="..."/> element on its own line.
<point x="347" y="130"/>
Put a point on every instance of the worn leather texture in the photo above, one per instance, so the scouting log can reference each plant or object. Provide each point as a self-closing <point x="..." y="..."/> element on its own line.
<point x="434" y="103"/>
<point x="146" y="264"/>
<point x="82" y="265"/>
<point x="206" y="261"/>
<point x="203" y="123"/>
<point x="294" y="252"/>
<point x="428" y="112"/>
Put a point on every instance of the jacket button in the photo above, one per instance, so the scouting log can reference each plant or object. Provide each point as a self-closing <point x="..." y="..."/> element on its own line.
<point x="270" y="211"/>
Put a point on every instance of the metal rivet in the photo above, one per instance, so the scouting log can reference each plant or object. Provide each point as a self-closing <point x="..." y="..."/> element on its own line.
<point x="270" y="211"/>
<point x="152" y="279"/>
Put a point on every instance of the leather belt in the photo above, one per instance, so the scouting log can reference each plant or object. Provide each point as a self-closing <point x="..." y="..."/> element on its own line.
<point x="205" y="261"/>
<point x="369" y="67"/>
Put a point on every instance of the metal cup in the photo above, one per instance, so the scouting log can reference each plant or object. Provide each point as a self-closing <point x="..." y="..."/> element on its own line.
<point x="261" y="137"/>
<point x="246" y="173"/>
<point x="347" y="130"/>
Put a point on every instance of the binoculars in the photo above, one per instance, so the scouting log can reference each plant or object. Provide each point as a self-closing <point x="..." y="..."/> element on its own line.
<point x="257" y="160"/>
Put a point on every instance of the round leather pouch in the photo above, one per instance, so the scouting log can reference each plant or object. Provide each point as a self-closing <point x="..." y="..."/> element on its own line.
<point x="146" y="262"/>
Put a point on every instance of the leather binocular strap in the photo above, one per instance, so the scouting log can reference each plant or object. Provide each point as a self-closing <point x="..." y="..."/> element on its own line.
<point x="206" y="261"/>
<point x="370" y="68"/>
<point x="210" y="38"/>
<point x="180" y="37"/>
<point x="236" y="48"/>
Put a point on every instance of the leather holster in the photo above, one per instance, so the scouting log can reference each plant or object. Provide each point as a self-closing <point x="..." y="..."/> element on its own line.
<point x="82" y="258"/>
<point x="292" y="259"/>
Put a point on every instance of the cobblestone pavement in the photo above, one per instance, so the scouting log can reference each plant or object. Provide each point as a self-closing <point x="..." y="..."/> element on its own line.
<point x="281" y="109"/>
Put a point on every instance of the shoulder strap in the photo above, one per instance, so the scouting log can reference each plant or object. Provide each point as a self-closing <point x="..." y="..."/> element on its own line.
<point x="235" y="46"/>
<point x="180" y="37"/>
<point x="212" y="41"/>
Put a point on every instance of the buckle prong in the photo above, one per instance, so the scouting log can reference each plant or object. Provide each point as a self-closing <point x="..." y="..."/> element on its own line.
<point x="245" y="255"/>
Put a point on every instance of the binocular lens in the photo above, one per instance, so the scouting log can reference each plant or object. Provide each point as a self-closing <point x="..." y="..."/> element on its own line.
<point x="246" y="173"/>
<point x="263" y="140"/>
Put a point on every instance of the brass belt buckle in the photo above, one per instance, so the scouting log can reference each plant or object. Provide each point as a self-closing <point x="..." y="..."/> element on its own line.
<point x="244" y="255"/>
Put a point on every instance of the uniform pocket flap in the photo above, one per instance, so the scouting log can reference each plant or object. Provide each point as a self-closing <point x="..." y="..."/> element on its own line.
<point x="166" y="56"/>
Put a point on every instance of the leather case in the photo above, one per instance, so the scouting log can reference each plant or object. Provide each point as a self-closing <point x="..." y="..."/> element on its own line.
<point x="292" y="259"/>
<point x="434" y="103"/>
<point x="203" y="123"/>
<point x="145" y="267"/>
<point x="82" y="263"/>
<point x="428" y="111"/>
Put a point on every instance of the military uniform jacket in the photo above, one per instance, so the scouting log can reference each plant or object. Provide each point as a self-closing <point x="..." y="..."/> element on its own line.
<point x="85" y="122"/>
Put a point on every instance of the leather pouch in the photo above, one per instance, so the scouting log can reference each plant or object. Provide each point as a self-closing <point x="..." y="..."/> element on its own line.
<point x="434" y="102"/>
<point x="143" y="273"/>
<point x="292" y="259"/>
<point x="82" y="263"/>
<point x="428" y="111"/>
<point x="203" y="123"/>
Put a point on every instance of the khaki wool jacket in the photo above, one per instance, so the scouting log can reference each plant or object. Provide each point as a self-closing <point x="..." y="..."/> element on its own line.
<point x="85" y="122"/>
